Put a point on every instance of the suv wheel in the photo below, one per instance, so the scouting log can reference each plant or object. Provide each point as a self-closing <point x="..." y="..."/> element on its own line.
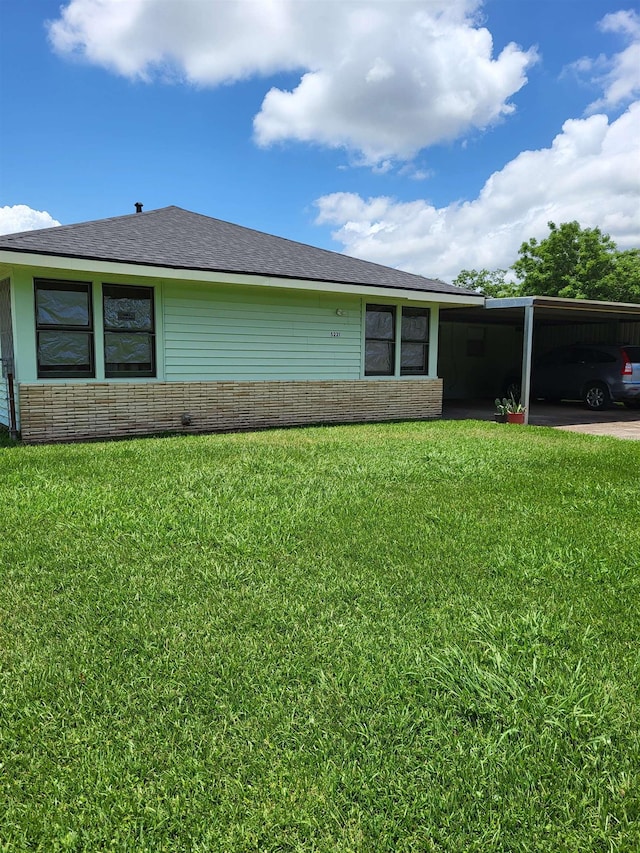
<point x="596" y="396"/>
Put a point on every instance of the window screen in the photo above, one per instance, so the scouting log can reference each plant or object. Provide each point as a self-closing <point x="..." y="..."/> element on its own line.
<point x="64" y="329"/>
<point x="414" y="346"/>
<point x="380" y="340"/>
<point x="129" y="331"/>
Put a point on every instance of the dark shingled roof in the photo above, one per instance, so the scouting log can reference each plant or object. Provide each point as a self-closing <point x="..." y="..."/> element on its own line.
<point x="179" y="239"/>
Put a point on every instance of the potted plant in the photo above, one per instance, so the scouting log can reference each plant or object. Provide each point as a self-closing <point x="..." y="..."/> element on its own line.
<point x="500" y="415"/>
<point x="515" y="411"/>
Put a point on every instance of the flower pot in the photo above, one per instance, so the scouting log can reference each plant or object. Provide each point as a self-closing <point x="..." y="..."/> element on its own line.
<point x="515" y="418"/>
<point x="500" y="417"/>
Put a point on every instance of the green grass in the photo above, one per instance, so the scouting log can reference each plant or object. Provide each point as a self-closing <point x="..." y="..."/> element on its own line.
<point x="414" y="637"/>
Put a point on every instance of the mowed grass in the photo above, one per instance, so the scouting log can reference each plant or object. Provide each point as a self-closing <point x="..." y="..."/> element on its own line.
<point x="409" y="637"/>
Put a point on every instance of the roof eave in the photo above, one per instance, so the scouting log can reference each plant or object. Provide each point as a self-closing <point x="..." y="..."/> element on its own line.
<point x="80" y="264"/>
<point x="583" y="305"/>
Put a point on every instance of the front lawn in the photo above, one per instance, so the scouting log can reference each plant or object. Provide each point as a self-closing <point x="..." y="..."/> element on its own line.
<point x="411" y="637"/>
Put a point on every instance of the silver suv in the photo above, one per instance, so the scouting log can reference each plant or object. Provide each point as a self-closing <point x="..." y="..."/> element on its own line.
<point x="594" y="373"/>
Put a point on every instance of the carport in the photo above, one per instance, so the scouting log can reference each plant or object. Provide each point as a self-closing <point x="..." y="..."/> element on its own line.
<point x="551" y="321"/>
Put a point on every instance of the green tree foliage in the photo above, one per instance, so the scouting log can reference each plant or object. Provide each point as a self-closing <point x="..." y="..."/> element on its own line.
<point x="490" y="282"/>
<point x="623" y="282"/>
<point x="572" y="262"/>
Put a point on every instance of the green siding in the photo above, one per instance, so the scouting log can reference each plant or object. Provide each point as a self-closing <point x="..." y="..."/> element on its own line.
<point x="213" y="333"/>
<point x="24" y="319"/>
<point x="6" y="348"/>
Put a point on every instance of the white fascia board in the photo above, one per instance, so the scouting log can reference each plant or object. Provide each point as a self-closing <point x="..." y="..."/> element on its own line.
<point x="559" y="303"/>
<point x="107" y="268"/>
<point x="509" y="302"/>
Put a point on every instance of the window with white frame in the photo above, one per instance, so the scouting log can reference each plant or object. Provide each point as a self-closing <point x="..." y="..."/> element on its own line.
<point x="64" y="329"/>
<point x="380" y="337"/>
<point x="383" y="325"/>
<point x="129" y="331"/>
<point x="414" y="346"/>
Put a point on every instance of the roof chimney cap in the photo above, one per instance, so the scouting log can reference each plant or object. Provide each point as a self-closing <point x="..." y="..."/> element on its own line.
<point x="138" y="207"/>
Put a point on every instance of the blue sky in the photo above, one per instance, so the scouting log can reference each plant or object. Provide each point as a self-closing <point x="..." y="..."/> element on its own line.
<point x="367" y="126"/>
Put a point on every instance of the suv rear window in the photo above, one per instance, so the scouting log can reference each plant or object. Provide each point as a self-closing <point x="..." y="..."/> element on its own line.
<point x="598" y="356"/>
<point x="633" y="353"/>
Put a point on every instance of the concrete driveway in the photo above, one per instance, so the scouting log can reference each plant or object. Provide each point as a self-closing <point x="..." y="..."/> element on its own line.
<point x="617" y="421"/>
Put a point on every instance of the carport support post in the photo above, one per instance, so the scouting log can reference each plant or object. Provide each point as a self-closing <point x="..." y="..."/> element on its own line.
<point x="527" y="349"/>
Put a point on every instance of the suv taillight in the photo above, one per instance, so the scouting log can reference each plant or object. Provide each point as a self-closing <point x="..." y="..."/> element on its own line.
<point x="627" y="367"/>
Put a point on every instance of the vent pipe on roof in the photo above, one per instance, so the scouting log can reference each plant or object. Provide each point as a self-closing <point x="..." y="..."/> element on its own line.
<point x="138" y="207"/>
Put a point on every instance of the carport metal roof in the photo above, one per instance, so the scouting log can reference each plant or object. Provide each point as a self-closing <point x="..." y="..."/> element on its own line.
<point x="552" y="310"/>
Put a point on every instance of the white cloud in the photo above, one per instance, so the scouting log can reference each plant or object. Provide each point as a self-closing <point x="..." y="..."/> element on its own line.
<point x="412" y="79"/>
<point x="203" y="41"/>
<point x="19" y="217"/>
<point x="619" y="75"/>
<point x="384" y="78"/>
<point x="589" y="174"/>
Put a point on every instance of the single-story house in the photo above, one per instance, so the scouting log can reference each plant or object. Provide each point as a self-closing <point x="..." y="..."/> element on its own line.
<point x="168" y="320"/>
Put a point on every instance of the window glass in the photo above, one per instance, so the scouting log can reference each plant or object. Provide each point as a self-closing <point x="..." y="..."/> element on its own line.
<point x="564" y="356"/>
<point x="380" y="344"/>
<point x="633" y="354"/>
<point x="127" y="310"/>
<point x="380" y="323"/>
<point x="414" y="347"/>
<point x="379" y="358"/>
<point x="62" y="307"/>
<point x="380" y="340"/>
<point x="129" y="339"/>
<point x="412" y="358"/>
<point x="64" y="329"/>
<point x="70" y="350"/>
<point x="415" y="326"/>
<point x="127" y="349"/>
<point x="598" y="356"/>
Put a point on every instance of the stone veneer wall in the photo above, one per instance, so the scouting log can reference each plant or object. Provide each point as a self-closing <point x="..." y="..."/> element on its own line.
<point x="77" y="411"/>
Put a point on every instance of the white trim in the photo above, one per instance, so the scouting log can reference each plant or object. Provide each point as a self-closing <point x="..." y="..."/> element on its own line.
<point x="434" y="341"/>
<point x="397" y="349"/>
<point x="527" y="359"/>
<point x="564" y="304"/>
<point x="108" y="268"/>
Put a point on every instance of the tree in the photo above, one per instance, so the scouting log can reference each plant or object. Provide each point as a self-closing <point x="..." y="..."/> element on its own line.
<point x="572" y="262"/>
<point x="623" y="282"/>
<point x="490" y="282"/>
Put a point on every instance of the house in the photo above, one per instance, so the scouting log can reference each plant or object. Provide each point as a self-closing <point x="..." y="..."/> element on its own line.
<point x="168" y="320"/>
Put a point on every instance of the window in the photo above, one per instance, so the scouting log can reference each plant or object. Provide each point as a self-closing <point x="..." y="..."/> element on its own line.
<point x="380" y="336"/>
<point x="598" y="356"/>
<point x="414" y="346"/>
<point x="129" y="332"/>
<point x="380" y="341"/>
<point x="64" y="329"/>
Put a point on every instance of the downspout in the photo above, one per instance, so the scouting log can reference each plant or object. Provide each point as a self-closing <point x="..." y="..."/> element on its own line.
<point x="13" y="426"/>
<point x="527" y="350"/>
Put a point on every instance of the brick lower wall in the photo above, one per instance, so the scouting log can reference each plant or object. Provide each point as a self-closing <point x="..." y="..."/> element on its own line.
<point x="76" y="411"/>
